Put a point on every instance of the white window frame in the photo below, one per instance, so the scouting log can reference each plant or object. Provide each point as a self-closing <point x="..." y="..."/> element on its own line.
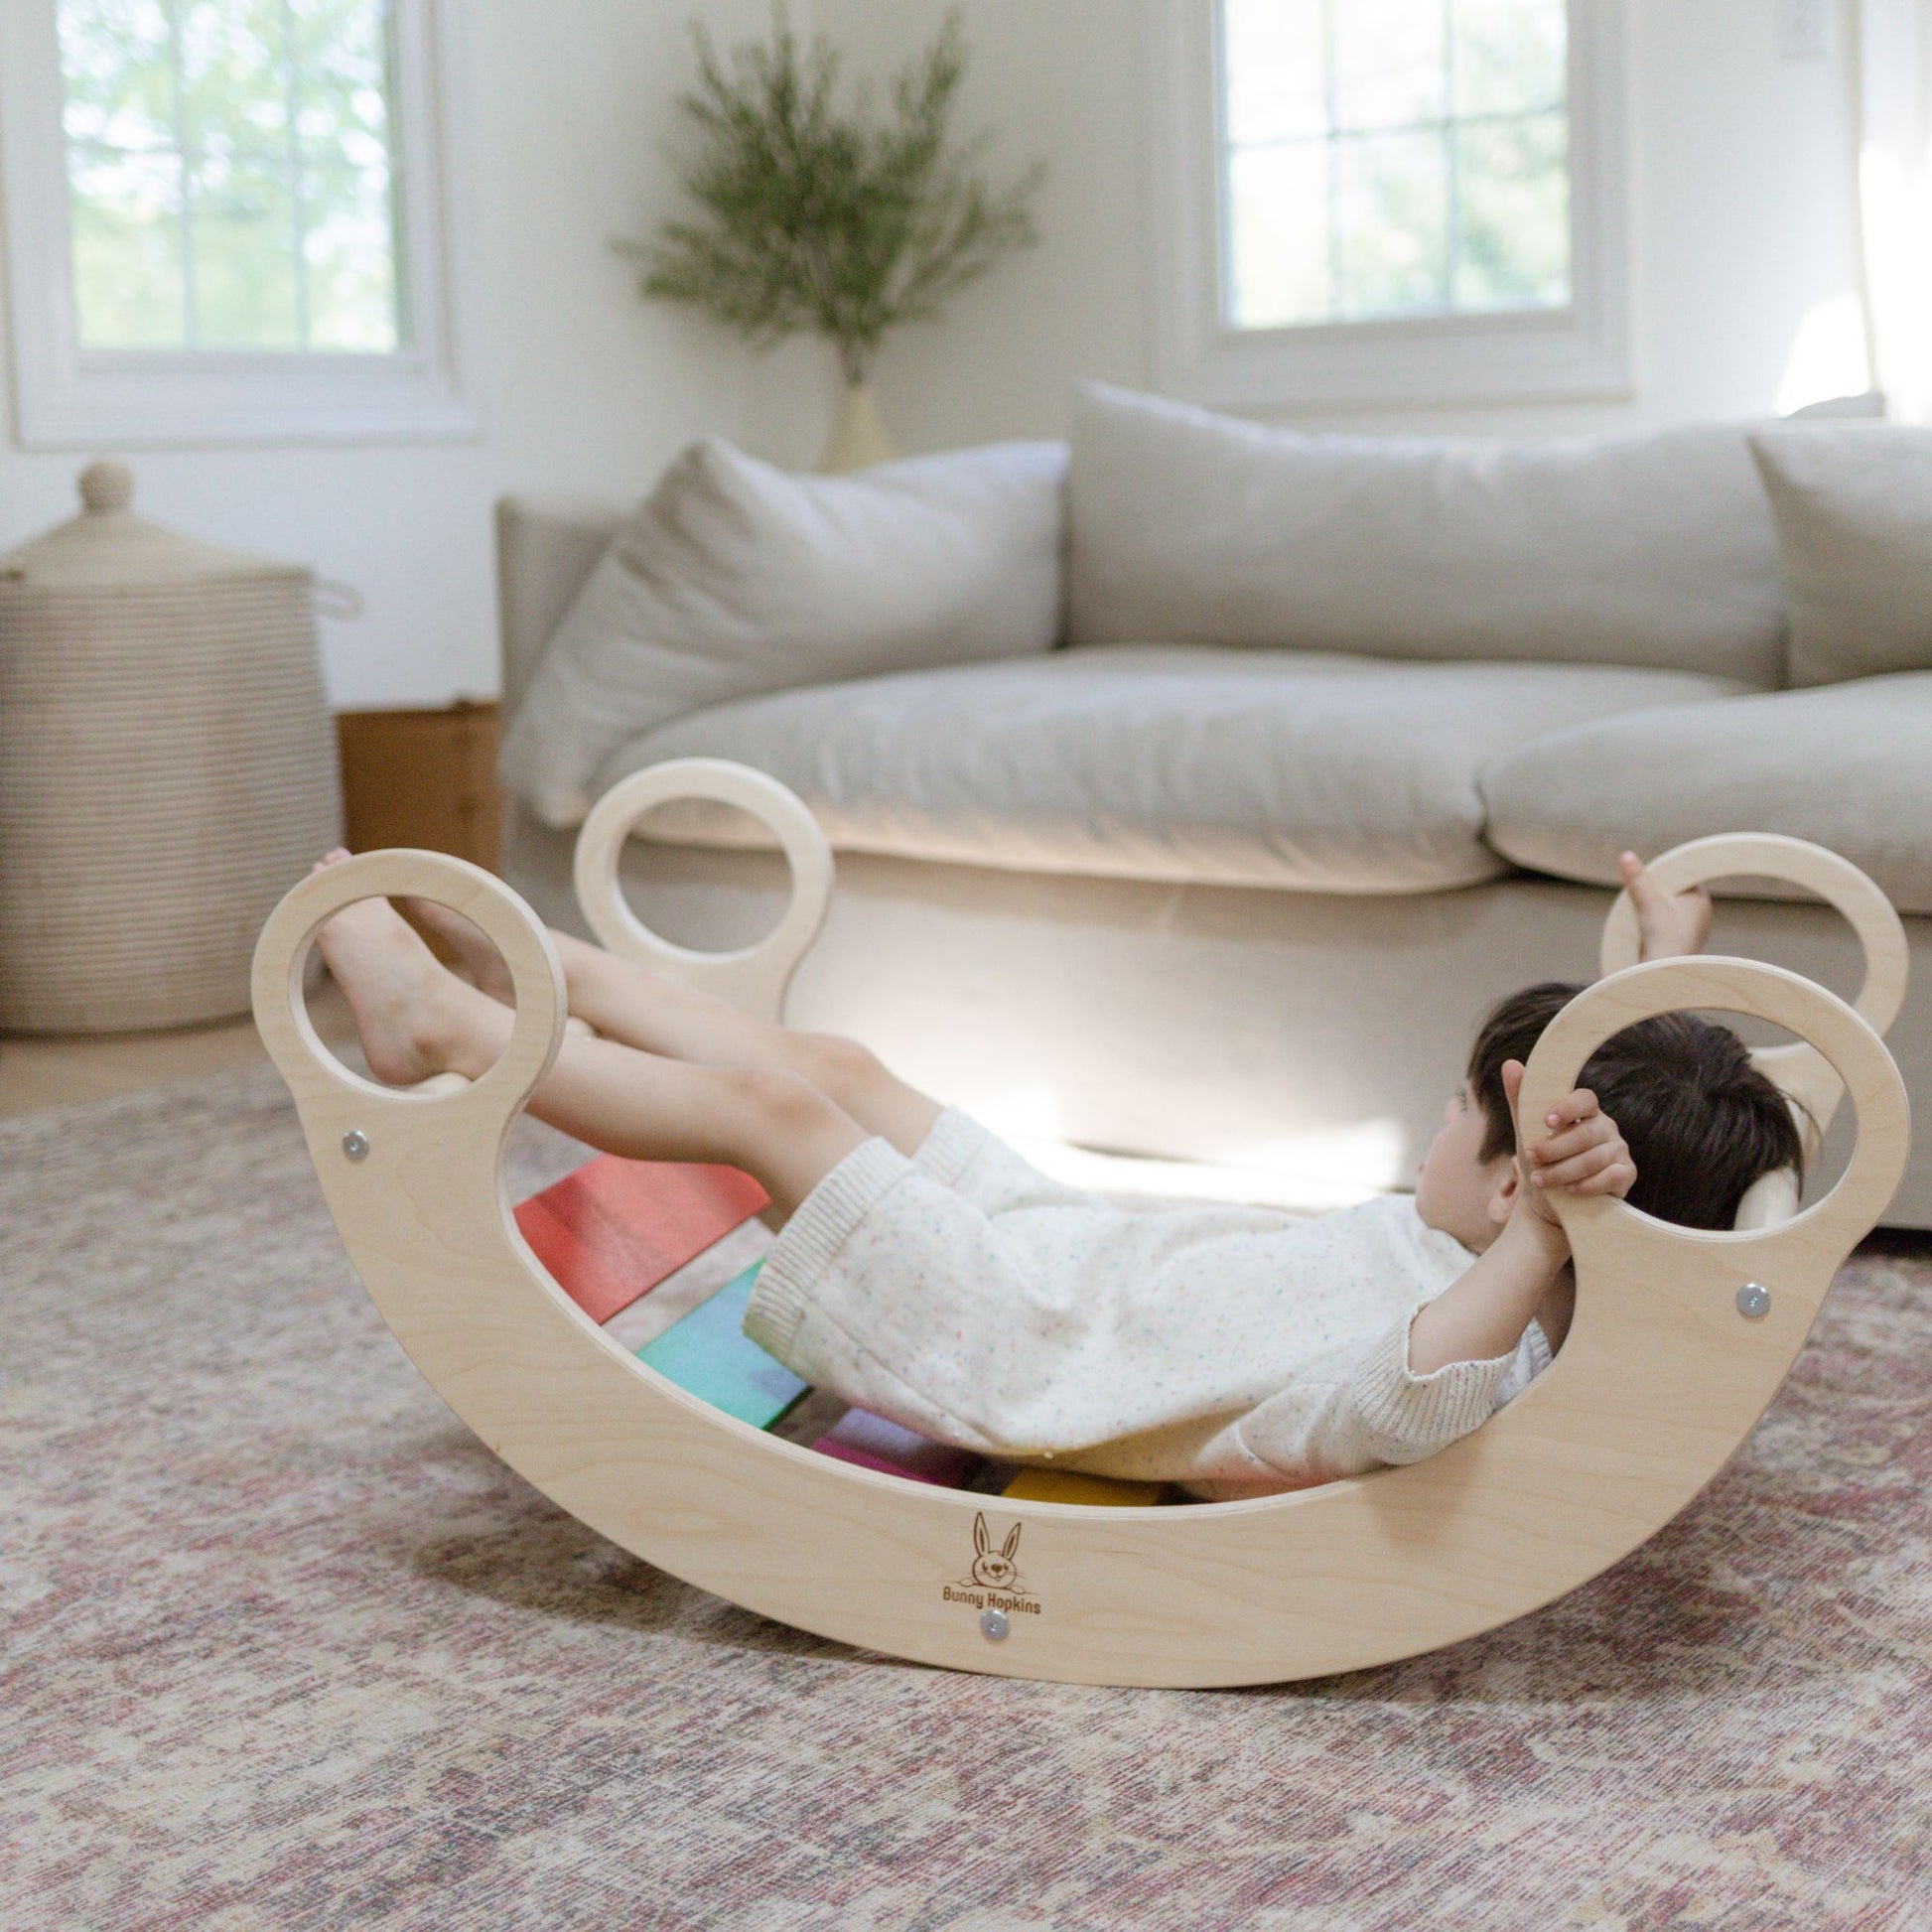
<point x="1579" y="352"/>
<point x="67" y="397"/>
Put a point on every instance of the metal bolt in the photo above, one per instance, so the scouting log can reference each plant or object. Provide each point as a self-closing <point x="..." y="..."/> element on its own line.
<point x="355" y="1144"/>
<point x="1753" y="1300"/>
<point x="994" y="1626"/>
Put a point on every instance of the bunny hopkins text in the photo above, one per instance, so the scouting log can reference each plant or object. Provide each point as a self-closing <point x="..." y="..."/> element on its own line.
<point x="990" y="1599"/>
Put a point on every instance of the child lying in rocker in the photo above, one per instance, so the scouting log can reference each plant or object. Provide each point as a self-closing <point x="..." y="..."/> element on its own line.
<point x="926" y="1271"/>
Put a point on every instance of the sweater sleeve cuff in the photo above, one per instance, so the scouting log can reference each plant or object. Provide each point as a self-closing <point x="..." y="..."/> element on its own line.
<point x="1407" y="1416"/>
<point x="953" y="1145"/>
<point x="808" y="1242"/>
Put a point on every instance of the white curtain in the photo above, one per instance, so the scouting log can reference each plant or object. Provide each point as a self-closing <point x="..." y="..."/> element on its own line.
<point x="1895" y="199"/>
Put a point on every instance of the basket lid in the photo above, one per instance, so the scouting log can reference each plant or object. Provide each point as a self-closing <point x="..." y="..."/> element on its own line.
<point x="109" y="545"/>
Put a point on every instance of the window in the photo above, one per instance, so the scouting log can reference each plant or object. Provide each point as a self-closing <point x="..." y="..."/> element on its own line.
<point x="230" y="172"/>
<point x="1387" y="201"/>
<point x="228" y="220"/>
<point x="1393" y="158"/>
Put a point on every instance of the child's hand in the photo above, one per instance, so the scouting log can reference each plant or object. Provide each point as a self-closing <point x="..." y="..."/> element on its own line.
<point x="1583" y="1153"/>
<point x="1671" y="925"/>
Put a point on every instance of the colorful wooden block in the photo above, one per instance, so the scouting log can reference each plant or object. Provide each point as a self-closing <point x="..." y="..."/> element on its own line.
<point x="709" y="1354"/>
<point x="613" y="1229"/>
<point x="873" y="1442"/>
<point x="1099" y="1493"/>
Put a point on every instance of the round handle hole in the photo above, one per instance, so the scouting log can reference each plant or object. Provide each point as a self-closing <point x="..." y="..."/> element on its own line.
<point x="705" y="876"/>
<point x="1642" y="1075"/>
<point x="384" y="981"/>
<point x="1793" y="928"/>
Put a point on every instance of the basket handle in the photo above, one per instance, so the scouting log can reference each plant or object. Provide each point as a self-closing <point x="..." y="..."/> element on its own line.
<point x="1797" y="1068"/>
<point x="1843" y="1039"/>
<point x="753" y="977"/>
<point x="537" y="974"/>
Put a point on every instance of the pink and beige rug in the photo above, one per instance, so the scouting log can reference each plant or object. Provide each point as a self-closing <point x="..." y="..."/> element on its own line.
<point x="285" y="1647"/>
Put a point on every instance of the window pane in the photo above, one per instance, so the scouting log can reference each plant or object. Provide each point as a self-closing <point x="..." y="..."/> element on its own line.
<point x="1393" y="204"/>
<point x="351" y="274"/>
<point x="351" y="247"/>
<point x="272" y="117"/>
<point x="1273" y="59"/>
<point x="233" y="77"/>
<point x="1389" y="68"/>
<point x="342" y="44"/>
<point x="342" y="122"/>
<point x="127" y="249"/>
<point x="119" y="84"/>
<point x="1277" y="220"/>
<point x="1515" y="203"/>
<point x="1509" y="55"/>
<point x="241" y="229"/>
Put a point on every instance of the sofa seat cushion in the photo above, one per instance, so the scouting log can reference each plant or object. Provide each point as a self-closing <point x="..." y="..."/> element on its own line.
<point x="1849" y="765"/>
<point x="1168" y="762"/>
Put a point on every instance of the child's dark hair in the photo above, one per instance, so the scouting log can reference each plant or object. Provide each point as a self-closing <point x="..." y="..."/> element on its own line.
<point x="1702" y="1123"/>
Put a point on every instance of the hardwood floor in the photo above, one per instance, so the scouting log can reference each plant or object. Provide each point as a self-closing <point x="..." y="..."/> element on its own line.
<point x="38" y="1073"/>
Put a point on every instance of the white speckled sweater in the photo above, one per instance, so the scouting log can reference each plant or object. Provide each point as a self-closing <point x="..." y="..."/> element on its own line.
<point x="966" y="1294"/>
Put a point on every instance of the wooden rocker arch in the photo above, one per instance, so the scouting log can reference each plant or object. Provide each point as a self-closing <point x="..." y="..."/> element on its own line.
<point x="1679" y="1342"/>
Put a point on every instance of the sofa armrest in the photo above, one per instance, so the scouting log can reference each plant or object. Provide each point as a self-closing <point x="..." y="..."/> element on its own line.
<point x="546" y="547"/>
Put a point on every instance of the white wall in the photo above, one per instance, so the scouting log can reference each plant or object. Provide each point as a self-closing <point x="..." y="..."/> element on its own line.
<point x="583" y="386"/>
<point x="1741" y="206"/>
<point x="1743" y="227"/>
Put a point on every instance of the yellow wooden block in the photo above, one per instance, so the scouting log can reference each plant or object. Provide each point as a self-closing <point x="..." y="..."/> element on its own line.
<point x="1100" y="1492"/>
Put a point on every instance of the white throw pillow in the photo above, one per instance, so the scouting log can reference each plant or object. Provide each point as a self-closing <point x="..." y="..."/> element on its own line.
<point x="1652" y="548"/>
<point x="1854" y="510"/>
<point x="735" y="578"/>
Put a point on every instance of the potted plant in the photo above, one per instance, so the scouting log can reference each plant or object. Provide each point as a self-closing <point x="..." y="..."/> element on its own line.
<point x="813" y="220"/>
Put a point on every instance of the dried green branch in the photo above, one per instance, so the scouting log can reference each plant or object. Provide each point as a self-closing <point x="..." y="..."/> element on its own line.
<point x="835" y="224"/>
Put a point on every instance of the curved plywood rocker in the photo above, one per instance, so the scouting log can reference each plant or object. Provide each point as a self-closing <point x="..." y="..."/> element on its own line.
<point x="755" y="976"/>
<point x="1805" y="1075"/>
<point x="1679" y="1342"/>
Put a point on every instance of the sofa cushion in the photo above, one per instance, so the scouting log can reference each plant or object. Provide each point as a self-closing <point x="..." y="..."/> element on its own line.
<point x="1844" y="765"/>
<point x="734" y="577"/>
<point x="1653" y="549"/>
<point x="1852" y="505"/>
<point x="1240" y="767"/>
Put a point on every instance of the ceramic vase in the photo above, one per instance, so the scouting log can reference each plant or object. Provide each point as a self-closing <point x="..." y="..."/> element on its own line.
<point x="859" y="439"/>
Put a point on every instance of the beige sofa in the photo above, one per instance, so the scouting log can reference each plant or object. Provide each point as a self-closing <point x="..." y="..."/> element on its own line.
<point x="1334" y="741"/>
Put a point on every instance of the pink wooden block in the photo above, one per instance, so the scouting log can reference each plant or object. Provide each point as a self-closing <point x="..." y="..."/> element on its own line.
<point x="873" y="1442"/>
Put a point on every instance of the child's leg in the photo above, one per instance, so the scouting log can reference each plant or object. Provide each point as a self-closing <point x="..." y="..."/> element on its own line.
<point x="415" y="1018"/>
<point x="641" y="1008"/>
<point x="626" y="1003"/>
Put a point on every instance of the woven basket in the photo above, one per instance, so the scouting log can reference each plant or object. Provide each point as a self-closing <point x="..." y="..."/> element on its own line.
<point x="167" y="767"/>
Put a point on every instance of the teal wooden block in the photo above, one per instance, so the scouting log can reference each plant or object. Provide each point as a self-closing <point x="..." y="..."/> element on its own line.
<point x="709" y="1354"/>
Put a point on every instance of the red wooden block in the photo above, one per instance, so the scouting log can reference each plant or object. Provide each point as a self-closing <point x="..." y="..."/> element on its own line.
<point x="613" y="1229"/>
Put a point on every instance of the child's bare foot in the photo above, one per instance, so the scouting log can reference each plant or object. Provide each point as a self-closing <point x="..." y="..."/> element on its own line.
<point x="1671" y="925"/>
<point x="481" y="963"/>
<point x="406" y="1006"/>
<point x="477" y="958"/>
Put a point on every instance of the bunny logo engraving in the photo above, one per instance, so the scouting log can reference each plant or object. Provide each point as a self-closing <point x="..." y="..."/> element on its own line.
<point x="995" y="1583"/>
<point x="995" y="1570"/>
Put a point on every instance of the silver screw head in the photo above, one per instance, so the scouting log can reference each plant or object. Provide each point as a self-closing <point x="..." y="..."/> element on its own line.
<point x="994" y="1626"/>
<point x="1753" y="1300"/>
<point x="355" y="1144"/>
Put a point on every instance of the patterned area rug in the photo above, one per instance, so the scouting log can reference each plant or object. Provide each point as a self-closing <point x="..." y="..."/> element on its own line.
<point x="285" y="1647"/>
